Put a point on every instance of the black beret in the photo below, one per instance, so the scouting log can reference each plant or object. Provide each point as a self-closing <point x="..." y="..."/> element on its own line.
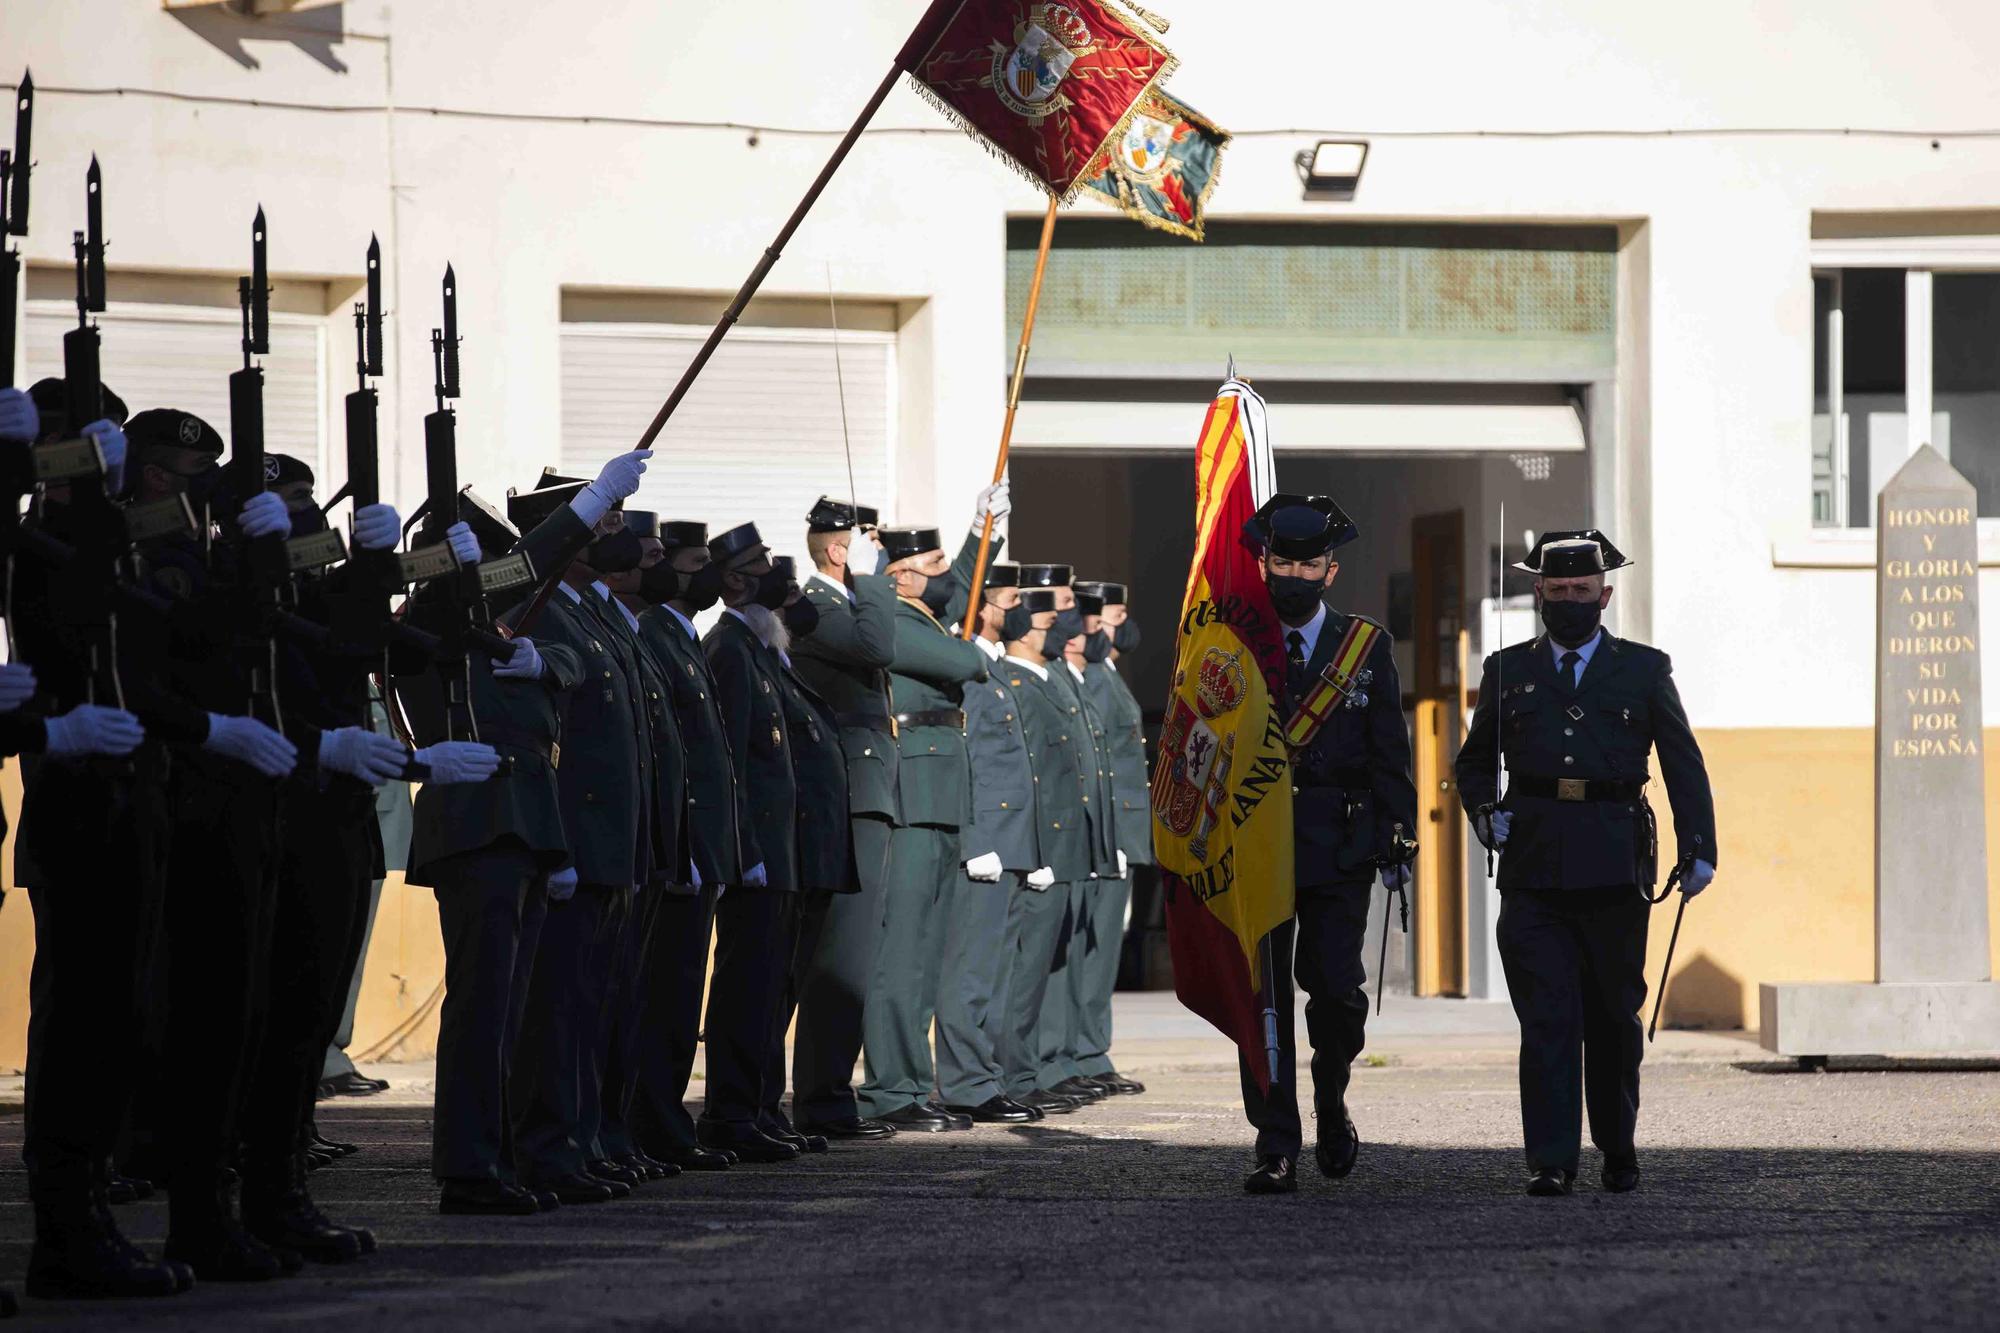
<point x="1003" y="576"/>
<point x="1300" y="527"/>
<point x="51" y="399"/>
<point x="676" y="535"/>
<point x="902" y="543"/>
<point x="1045" y="576"/>
<point x="1573" y="555"/>
<point x="1036" y="600"/>
<point x="642" y="523"/>
<point x="734" y="543"/>
<point x="283" y="470"/>
<point x="171" y="428"/>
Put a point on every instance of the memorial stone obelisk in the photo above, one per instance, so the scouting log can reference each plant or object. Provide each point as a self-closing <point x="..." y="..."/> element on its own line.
<point x="1933" y="989"/>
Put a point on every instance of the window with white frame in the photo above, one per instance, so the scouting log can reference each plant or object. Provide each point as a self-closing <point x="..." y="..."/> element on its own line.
<point x="1896" y="343"/>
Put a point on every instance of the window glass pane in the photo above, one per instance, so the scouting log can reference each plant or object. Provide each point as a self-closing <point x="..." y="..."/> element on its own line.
<point x="1965" y="378"/>
<point x="1872" y="384"/>
<point x="1825" y="464"/>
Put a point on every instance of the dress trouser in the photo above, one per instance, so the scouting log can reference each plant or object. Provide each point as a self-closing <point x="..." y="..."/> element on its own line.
<point x="1034" y="923"/>
<point x="1328" y="933"/>
<point x="902" y="1001"/>
<point x="1576" y="972"/>
<point x="553" y="1057"/>
<point x="670" y="1006"/>
<point x="1057" y="1036"/>
<point x="804" y="924"/>
<point x="602" y="980"/>
<point x="619" y="1047"/>
<point x="833" y="994"/>
<point x="1096" y="981"/>
<point x="752" y="957"/>
<point x="336" y="1061"/>
<point x="490" y="906"/>
<point x="100" y="840"/>
<point x="979" y="944"/>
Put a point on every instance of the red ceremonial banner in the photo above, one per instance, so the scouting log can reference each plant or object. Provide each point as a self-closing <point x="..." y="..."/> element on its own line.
<point x="1047" y="84"/>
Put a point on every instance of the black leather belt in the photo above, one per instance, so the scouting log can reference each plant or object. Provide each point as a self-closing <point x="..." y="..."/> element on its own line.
<point x="1576" y="789"/>
<point x="1340" y="779"/>
<point x="865" y="722"/>
<point x="936" y="717"/>
<point x="498" y="733"/>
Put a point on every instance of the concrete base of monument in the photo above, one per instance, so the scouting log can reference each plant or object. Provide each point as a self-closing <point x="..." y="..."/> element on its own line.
<point x="1880" y="1018"/>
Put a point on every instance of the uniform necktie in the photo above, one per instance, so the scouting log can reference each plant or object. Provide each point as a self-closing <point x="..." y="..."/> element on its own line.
<point x="1295" y="661"/>
<point x="1570" y="664"/>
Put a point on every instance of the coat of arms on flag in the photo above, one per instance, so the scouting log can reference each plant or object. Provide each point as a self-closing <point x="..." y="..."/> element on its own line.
<point x="1165" y="165"/>
<point x="1047" y="84"/>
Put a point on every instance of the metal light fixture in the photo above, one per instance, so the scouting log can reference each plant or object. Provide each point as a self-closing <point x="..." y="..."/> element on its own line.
<point x="1331" y="169"/>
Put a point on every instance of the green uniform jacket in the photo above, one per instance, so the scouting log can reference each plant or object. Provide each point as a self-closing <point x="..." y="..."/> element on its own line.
<point x="605" y="779"/>
<point x="713" y="847"/>
<point x="522" y="719"/>
<point x="669" y="811"/>
<point x="1098" y="802"/>
<point x="1062" y="828"/>
<point x="1125" y="735"/>
<point x="749" y="684"/>
<point x="826" y="843"/>
<point x="931" y="669"/>
<point x="1003" y="776"/>
<point x="961" y="573"/>
<point x="845" y="662"/>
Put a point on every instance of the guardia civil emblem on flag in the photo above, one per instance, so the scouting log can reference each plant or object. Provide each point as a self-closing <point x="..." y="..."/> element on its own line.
<point x="1164" y="166"/>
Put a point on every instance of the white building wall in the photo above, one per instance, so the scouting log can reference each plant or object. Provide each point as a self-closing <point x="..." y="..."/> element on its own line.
<point x="525" y="208"/>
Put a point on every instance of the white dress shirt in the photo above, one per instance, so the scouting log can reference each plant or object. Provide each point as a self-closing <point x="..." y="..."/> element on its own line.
<point x="1041" y="672"/>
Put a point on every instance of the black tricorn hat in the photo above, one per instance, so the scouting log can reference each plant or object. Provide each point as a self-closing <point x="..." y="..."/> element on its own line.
<point x="902" y="543"/>
<point x="642" y="523"/>
<point x="1003" y="576"/>
<point x="1300" y="527"/>
<point x="1106" y="592"/>
<point x="1572" y="555"/>
<point x="733" y="543"/>
<point x="830" y="515"/>
<point x="550" y="478"/>
<point x="675" y="535"/>
<point x="1090" y="603"/>
<point x="171" y="428"/>
<point x="488" y="524"/>
<point x="1035" y="600"/>
<point x="1045" y="576"/>
<point x="528" y="512"/>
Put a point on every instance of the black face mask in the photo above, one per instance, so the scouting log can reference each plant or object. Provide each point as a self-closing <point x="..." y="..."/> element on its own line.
<point x="1570" y="623"/>
<point x="307" y="521"/>
<point x="1097" y="647"/>
<point x="660" y="583"/>
<point x="1068" y="625"/>
<point x="1125" y="637"/>
<point x="936" y="595"/>
<point x="701" y="589"/>
<point x="615" y="552"/>
<point x="772" y="590"/>
<point x="1017" y="624"/>
<point x="1293" y="597"/>
<point x="801" y="618"/>
<point x="204" y="488"/>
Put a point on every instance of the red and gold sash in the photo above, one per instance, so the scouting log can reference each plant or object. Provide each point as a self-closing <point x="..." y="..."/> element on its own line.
<point x="1336" y="684"/>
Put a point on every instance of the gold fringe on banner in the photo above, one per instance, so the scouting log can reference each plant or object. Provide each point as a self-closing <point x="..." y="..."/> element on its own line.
<point x="1159" y="22"/>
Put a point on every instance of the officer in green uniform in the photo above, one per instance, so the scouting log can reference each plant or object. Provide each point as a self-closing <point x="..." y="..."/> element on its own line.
<point x="1125" y="742"/>
<point x="926" y="685"/>
<point x="682" y="585"/>
<point x="1577" y="711"/>
<point x="1000" y="851"/>
<point x="845" y="663"/>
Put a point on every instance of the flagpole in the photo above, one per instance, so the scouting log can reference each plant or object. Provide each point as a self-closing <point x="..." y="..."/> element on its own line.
<point x="1013" y="405"/>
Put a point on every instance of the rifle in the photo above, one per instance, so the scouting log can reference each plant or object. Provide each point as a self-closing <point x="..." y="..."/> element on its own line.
<point x="14" y="170"/>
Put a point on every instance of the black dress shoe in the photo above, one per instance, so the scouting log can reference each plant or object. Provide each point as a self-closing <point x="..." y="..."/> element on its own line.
<point x="1621" y="1177"/>
<point x="351" y="1085"/>
<point x="936" y="1107"/>
<point x="319" y="1142"/>
<point x="995" y="1110"/>
<point x="652" y="1170"/>
<point x="1549" y="1183"/>
<point x="693" y="1159"/>
<point x="854" y="1127"/>
<point x="1120" y="1085"/>
<point x="921" y="1119"/>
<point x="604" y="1169"/>
<point x="545" y="1200"/>
<point x="123" y="1189"/>
<point x="577" y="1188"/>
<point x="485" y="1198"/>
<point x="1275" y="1174"/>
<point x="746" y="1143"/>
<point x="1336" y="1159"/>
<point x="1052" y="1103"/>
<point x="1082" y="1089"/>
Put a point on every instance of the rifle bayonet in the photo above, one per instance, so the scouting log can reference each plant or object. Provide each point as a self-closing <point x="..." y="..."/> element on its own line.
<point x="93" y="256"/>
<point x="23" y="162"/>
<point x="371" y="347"/>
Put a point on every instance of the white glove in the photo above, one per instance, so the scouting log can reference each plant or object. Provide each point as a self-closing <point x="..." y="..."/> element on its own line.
<point x="1697" y="879"/>
<point x="462" y="543"/>
<point x="562" y="884"/>
<point x="1395" y="877"/>
<point x="460" y="761"/>
<point x="618" y="480"/>
<point x="361" y="754"/>
<point x="17" y="685"/>
<point x="755" y="878"/>
<point x="19" y="421"/>
<point x="111" y="443"/>
<point x="694" y="873"/>
<point x="1041" y="879"/>
<point x="985" y="868"/>
<point x="1492" y="827"/>
<point x="995" y="500"/>
<point x="525" y="664"/>
<point x="377" y="527"/>
<point x="1124" y="866"/>
<point x="89" y="729"/>
<point x="248" y="741"/>
<point x="263" y="515"/>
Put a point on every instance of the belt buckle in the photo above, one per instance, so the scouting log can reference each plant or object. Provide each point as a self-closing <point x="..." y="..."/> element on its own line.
<point x="1571" y="789"/>
<point x="555" y="755"/>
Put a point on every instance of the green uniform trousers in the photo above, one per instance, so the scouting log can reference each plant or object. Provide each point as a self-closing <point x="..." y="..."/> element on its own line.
<point x="833" y="993"/>
<point x="1035" y="920"/>
<point x="972" y="989"/>
<point x="923" y="875"/>
<point x="1097" y="977"/>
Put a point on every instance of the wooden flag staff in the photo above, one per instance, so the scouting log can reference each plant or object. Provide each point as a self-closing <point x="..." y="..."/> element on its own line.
<point x="1013" y="405"/>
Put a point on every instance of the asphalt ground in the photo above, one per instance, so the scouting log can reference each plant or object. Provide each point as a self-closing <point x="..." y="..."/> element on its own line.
<point x="1771" y="1198"/>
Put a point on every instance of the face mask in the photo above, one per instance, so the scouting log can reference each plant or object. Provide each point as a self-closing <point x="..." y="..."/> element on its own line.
<point x="772" y="590"/>
<point x="1017" y="624"/>
<point x="1068" y="625"/>
<point x="659" y="583"/>
<point x="615" y="552"/>
<point x="1293" y="597"/>
<point x="1125" y="637"/>
<point x="801" y="618"/>
<point x="203" y="487"/>
<point x="1571" y="622"/>
<point x="936" y="595"/>
<point x="1097" y="647"/>
<point x="307" y="521"/>
<point x="701" y="589"/>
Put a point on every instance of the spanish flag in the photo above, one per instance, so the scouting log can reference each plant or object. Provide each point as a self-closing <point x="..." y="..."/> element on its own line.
<point x="1222" y="792"/>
